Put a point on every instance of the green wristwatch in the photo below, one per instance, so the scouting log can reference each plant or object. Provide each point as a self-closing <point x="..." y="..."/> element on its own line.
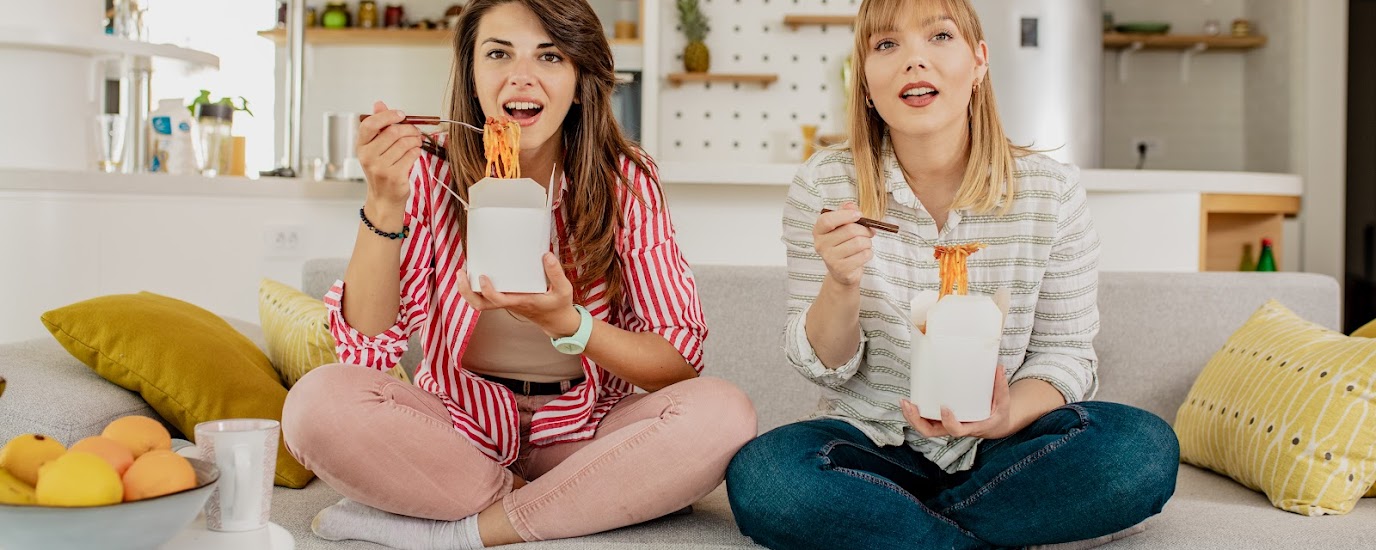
<point x="574" y="345"/>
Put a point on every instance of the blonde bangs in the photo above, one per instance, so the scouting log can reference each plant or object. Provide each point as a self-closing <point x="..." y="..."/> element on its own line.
<point x="989" y="171"/>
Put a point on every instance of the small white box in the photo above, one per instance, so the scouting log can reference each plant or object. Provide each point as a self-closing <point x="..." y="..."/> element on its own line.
<point x="508" y="234"/>
<point x="953" y="364"/>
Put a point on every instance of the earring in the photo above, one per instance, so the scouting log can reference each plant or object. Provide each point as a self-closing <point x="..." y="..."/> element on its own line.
<point x="976" y="87"/>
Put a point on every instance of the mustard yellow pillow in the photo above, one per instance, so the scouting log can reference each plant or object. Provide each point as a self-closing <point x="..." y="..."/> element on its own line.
<point x="1367" y="331"/>
<point x="1285" y="408"/>
<point x="186" y="362"/>
<point x="297" y="330"/>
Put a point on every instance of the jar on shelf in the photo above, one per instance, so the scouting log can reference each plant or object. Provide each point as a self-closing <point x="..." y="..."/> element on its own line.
<point x="393" y="17"/>
<point x="367" y="14"/>
<point x="215" y="120"/>
<point x="627" y="20"/>
<point x="335" y="16"/>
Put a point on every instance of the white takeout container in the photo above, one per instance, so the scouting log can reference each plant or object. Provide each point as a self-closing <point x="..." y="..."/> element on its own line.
<point x="508" y="234"/>
<point x="954" y="362"/>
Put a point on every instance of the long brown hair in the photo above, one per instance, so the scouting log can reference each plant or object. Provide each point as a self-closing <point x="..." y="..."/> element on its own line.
<point x="989" y="170"/>
<point x="592" y="140"/>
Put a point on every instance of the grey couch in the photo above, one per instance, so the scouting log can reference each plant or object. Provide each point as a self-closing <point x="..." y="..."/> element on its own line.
<point x="1158" y="331"/>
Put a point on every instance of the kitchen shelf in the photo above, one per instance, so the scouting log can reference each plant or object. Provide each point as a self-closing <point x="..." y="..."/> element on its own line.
<point x="392" y="37"/>
<point x="677" y="79"/>
<point x="353" y="37"/>
<point x="1188" y="45"/>
<point x="99" y="44"/>
<point x="1114" y="40"/>
<point x="795" y="21"/>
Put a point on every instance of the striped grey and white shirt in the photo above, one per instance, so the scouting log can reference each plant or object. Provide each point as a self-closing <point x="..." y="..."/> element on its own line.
<point x="1045" y="250"/>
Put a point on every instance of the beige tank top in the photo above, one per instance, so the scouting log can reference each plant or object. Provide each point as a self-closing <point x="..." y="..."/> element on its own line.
<point x="506" y="346"/>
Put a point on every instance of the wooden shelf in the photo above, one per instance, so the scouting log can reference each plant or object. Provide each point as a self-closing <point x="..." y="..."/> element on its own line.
<point x="677" y="79"/>
<point x="1228" y="222"/>
<point x="1114" y="40"/>
<point x="795" y="21"/>
<point x="393" y="37"/>
<point x="357" y="37"/>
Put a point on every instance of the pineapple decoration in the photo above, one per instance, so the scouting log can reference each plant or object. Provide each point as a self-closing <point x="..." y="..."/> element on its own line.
<point x="696" y="58"/>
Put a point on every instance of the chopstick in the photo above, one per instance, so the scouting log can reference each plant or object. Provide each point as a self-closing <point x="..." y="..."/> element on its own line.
<point x="429" y="121"/>
<point x="872" y="224"/>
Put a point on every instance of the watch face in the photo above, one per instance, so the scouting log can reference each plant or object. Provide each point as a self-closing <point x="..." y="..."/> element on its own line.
<point x="569" y="348"/>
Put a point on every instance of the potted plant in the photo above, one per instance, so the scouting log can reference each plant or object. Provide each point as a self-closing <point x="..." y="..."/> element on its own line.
<point x="204" y="98"/>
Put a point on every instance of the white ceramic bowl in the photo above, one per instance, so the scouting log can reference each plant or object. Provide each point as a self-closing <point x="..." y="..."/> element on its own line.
<point x="141" y="525"/>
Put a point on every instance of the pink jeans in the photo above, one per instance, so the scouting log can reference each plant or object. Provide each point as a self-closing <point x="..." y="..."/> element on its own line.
<point x="392" y="446"/>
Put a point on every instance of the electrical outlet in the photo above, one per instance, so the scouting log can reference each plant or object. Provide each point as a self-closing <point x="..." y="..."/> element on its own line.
<point x="1156" y="148"/>
<point x="283" y="240"/>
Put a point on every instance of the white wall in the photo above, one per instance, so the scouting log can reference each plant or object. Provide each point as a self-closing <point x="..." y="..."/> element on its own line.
<point x="206" y="250"/>
<point x="1200" y="123"/>
<point x="1320" y="132"/>
<point x="351" y="78"/>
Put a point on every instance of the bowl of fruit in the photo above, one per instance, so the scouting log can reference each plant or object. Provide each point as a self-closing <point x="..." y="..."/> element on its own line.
<point x="124" y="488"/>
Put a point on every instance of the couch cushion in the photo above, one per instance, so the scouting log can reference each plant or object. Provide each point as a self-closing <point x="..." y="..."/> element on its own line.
<point x="52" y="393"/>
<point x="1208" y="512"/>
<point x="188" y="364"/>
<point x="1158" y="330"/>
<point x="1212" y="512"/>
<point x="1285" y="407"/>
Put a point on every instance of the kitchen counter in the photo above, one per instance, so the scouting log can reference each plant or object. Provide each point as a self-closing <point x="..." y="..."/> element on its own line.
<point x="54" y="181"/>
<point x="1094" y="180"/>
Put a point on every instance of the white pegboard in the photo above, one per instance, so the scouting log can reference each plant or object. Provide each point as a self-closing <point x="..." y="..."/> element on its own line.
<point x="725" y="122"/>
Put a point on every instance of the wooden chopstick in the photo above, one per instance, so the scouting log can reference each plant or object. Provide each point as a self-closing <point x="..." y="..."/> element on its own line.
<point x="872" y="224"/>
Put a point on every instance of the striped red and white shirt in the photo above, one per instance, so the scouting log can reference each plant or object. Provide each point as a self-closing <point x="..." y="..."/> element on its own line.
<point x="659" y="295"/>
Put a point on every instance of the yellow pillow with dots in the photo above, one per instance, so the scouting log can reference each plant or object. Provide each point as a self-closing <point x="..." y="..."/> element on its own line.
<point x="1285" y="408"/>
<point x="1368" y="331"/>
<point x="296" y="328"/>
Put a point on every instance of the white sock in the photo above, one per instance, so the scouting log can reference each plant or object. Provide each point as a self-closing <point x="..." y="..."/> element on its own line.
<point x="349" y="520"/>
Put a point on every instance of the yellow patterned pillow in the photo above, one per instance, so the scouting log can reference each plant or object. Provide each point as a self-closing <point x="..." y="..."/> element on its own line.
<point x="297" y="330"/>
<point x="1368" y="331"/>
<point x="1285" y="408"/>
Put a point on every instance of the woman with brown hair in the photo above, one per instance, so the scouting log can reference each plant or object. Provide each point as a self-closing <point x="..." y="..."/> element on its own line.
<point x="927" y="154"/>
<point x="505" y="437"/>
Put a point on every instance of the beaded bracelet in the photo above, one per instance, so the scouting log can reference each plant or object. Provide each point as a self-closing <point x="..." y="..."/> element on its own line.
<point x="405" y="229"/>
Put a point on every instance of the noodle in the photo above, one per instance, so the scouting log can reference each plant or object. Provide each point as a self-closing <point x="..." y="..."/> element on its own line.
<point x="955" y="278"/>
<point x="501" y="141"/>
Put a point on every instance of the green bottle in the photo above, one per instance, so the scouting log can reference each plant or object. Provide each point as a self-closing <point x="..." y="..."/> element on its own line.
<point x="1267" y="261"/>
<point x="1248" y="264"/>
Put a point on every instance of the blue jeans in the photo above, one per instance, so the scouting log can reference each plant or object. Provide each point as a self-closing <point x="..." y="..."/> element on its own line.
<point x="1081" y="471"/>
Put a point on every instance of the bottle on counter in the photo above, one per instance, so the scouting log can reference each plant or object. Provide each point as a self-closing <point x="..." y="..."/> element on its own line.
<point x="1248" y="262"/>
<point x="1267" y="261"/>
<point x="174" y="148"/>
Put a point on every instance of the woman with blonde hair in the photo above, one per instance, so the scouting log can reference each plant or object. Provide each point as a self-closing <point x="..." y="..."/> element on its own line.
<point x="928" y="154"/>
<point x="524" y="422"/>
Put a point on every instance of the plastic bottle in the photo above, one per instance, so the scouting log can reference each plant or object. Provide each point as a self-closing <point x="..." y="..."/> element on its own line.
<point x="174" y="147"/>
